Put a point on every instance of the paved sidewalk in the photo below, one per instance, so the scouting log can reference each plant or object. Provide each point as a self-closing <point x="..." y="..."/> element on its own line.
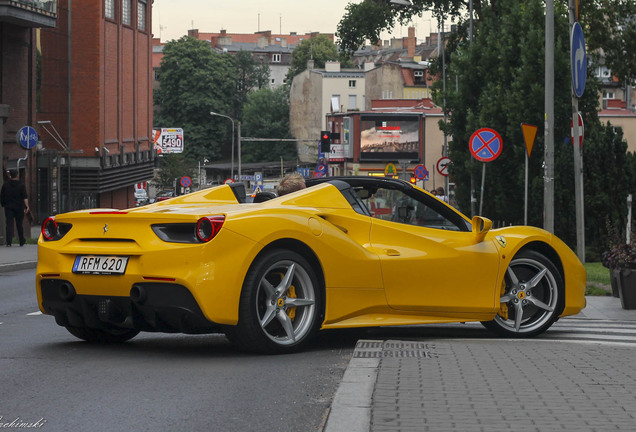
<point x="491" y="384"/>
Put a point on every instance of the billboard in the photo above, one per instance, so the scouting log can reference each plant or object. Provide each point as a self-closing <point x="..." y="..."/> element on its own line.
<point x="168" y="140"/>
<point x="390" y="137"/>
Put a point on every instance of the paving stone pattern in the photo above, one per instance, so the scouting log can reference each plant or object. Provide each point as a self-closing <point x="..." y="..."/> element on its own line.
<point x="505" y="385"/>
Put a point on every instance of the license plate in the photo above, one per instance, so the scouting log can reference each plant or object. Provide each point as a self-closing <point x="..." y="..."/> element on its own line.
<point x="100" y="264"/>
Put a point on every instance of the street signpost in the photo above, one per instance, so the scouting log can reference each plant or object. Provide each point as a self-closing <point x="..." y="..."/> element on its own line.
<point x="581" y="130"/>
<point x="390" y="170"/>
<point x="485" y="145"/>
<point x="579" y="59"/>
<point x="442" y="166"/>
<point x="27" y="137"/>
<point x="529" y="135"/>
<point x="185" y="182"/>
<point x="420" y="172"/>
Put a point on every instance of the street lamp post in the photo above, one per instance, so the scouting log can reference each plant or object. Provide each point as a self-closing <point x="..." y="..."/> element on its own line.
<point x="230" y="119"/>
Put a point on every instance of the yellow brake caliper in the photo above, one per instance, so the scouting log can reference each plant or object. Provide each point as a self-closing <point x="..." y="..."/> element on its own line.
<point x="503" y="307"/>
<point x="291" y="292"/>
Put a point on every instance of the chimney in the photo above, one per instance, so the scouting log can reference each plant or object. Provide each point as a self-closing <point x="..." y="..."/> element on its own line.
<point x="223" y="33"/>
<point x="310" y="64"/>
<point x="411" y="43"/>
<point x="332" y="66"/>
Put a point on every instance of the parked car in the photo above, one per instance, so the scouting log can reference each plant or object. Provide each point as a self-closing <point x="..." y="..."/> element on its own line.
<point x="344" y="252"/>
<point x="164" y="195"/>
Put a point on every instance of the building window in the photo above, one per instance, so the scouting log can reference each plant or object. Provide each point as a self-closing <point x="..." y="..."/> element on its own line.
<point x="109" y="9"/>
<point x="141" y="15"/>
<point x="276" y="58"/>
<point x="352" y="83"/>
<point x="609" y="95"/>
<point x="353" y="102"/>
<point x="125" y="12"/>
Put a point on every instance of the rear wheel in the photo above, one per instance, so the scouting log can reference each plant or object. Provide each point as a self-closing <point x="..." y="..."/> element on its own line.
<point x="280" y="304"/>
<point x="531" y="297"/>
<point x="102" y="336"/>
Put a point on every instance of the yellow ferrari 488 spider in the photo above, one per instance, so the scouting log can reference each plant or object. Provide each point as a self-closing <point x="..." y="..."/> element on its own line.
<point x="344" y="252"/>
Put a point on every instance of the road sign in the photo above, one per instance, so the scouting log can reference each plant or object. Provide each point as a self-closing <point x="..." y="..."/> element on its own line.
<point x="257" y="189"/>
<point x="420" y="172"/>
<point x="322" y="169"/>
<point x="258" y="177"/>
<point x="485" y="144"/>
<point x="390" y="170"/>
<point x="529" y="135"/>
<point x="185" y="181"/>
<point x="581" y="130"/>
<point x="442" y="165"/>
<point x="578" y="59"/>
<point x="305" y="172"/>
<point x="27" y="137"/>
<point x="228" y="181"/>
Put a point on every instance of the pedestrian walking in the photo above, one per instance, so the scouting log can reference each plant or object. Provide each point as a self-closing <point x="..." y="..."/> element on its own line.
<point x="13" y="198"/>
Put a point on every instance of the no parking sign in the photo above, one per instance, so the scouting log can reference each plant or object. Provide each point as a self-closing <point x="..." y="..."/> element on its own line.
<point x="485" y="144"/>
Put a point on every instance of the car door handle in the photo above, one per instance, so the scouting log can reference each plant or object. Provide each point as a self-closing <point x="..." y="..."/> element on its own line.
<point x="392" y="252"/>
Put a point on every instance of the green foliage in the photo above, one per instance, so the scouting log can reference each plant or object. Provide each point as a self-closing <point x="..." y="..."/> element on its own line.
<point x="611" y="25"/>
<point x="250" y="75"/>
<point x="173" y="167"/>
<point x="266" y="115"/>
<point x="194" y="81"/>
<point x="319" y="48"/>
<point x="366" y="20"/>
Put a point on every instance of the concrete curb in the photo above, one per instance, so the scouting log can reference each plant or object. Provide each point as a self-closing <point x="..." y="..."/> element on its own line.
<point x="24" y="265"/>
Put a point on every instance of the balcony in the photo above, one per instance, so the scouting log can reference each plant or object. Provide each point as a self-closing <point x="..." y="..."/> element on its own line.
<point x="29" y="13"/>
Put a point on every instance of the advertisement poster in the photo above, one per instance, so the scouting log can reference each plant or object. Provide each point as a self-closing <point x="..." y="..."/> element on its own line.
<point x="168" y="140"/>
<point x="389" y="137"/>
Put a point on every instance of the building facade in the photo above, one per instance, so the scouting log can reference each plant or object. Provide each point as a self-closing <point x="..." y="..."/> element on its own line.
<point x="19" y="21"/>
<point x="96" y="105"/>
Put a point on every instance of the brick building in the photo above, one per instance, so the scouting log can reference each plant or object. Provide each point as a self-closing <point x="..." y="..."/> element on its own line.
<point x="96" y="100"/>
<point x="19" y="20"/>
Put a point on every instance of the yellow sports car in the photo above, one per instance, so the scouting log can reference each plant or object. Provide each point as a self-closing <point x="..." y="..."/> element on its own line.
<point x="344" y="252"/>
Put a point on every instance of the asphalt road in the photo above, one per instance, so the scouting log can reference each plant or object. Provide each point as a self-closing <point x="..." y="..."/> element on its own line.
<point x="156" y="382"/>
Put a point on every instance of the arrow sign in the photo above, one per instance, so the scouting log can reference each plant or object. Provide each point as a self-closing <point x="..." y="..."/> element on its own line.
<point x="442" y="166"/>
<point x="529" y="135"/>
<point x="485" y="144"/>
<point x="578" y="59"/>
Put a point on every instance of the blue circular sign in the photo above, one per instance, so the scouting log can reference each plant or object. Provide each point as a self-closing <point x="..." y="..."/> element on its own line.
<point x="420" y="172"/>
<point x="485" y="144"/>
<point x="27" y="137"/>
<point x="186" y="181"/>
<point x="578" y="59"/>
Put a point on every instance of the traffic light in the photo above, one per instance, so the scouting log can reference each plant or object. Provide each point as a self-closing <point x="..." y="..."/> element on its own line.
<point x="325" y="141"/>
<point x="413" y="180"/>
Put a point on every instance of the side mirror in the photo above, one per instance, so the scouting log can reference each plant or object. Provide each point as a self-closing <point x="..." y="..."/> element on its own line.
<point x="481" y="226"/>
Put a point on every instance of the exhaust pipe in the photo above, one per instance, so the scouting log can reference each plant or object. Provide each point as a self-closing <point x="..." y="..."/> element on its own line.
<point x="138" y="294"/>
<point x="67" y="292"/>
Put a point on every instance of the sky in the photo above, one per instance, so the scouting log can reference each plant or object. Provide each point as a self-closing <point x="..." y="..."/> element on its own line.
<point x="172" y="19"/>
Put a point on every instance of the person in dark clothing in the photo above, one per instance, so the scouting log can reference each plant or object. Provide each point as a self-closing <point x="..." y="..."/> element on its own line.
<point x="13" y="197"/>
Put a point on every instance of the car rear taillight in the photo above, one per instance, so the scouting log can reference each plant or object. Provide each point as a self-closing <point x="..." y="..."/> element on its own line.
<point x="49" y="228"/>
<point x="52" y="230"/>
<point x="208" y="227"/>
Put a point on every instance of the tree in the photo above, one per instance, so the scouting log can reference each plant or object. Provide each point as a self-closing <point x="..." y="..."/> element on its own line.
<point x="319" y="48"/>
<point x="250" y="75"/>
<point x="266" y="115"/>
<point x="195" y="80"/>
<point x="173" y="167"/>
<point x="366" y="20"/>
<point x="610" y="25"/>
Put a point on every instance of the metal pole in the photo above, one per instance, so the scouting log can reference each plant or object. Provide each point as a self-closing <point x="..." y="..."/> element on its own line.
<point x="230" y="119"/>
<point x="483" y="180"/>
<point x="70" y="103"/>
<point x="525" y="205"/>
<point x="578" y="162"/>
<point x="628" y="236"/>
<point x="239" y="150"/>
<point x="548" y="179"/>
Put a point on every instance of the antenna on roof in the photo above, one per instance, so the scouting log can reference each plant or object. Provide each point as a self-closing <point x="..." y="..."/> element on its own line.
<point x="280" y="24"/>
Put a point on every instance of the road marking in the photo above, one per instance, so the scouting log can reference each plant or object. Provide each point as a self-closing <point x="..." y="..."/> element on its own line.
<point x="35" y="313"/>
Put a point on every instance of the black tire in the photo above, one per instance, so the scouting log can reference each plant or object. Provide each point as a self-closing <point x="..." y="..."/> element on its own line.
<point x="532" y="299"/>
<point x="280" y="306"/>
<point x="102" y="336"/>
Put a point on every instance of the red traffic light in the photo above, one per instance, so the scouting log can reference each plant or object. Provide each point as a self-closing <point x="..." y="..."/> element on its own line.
<point x="413" y="180"/>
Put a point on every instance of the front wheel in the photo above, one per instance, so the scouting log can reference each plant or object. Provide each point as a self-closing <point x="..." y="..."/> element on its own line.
<point x="280" y="304"/>
<point x="102" y="336"/>
<point x="531" y="298"/>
